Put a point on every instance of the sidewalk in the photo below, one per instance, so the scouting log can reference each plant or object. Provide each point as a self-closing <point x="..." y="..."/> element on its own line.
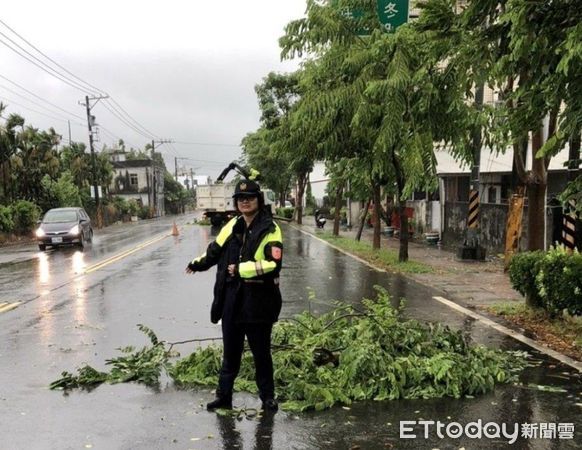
<point x="465" y="282"/>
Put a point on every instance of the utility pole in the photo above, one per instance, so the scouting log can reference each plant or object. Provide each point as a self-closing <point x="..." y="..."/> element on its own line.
<point x="471" y="248"/>
<point x="160" y="142"/>
<point x="155" y="182"/>
<point x="570" y="221"/>
<point x="90" y="124"/>
<point x="176" y="158"/>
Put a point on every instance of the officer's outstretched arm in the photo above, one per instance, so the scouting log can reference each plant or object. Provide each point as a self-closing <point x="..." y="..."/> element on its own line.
<point x="214" y="250"/>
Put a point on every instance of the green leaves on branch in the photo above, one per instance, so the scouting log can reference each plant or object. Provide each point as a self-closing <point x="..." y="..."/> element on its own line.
<point x="351" y="353"/>
<point x="571" y="198"/>
<point x="143" y="366"/>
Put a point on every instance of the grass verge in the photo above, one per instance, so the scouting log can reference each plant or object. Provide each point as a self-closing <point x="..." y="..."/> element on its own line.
<point x="202" y="221"/>
<point x="384" y="258"/>
<point x="563" y="334"/>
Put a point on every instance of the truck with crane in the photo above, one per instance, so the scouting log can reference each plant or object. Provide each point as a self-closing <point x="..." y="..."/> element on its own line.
<point x="216" y="199"/>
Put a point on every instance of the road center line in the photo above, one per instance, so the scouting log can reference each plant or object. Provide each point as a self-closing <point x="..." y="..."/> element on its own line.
<point x="5" y="307"/>
<point x="96" y="266"/>
<point x="496" y="326"/>
<point x="124" y="254"/>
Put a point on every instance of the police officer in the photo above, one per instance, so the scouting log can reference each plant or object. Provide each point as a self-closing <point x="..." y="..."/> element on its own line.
<point x="248" y="252"/>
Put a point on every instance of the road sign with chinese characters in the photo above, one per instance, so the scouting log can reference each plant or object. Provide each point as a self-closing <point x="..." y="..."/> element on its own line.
<point x="392" y="13"/>
<point x="352" y="14"/>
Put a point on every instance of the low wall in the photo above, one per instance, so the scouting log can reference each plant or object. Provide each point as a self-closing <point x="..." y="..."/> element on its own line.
<point x="492" y="222"/>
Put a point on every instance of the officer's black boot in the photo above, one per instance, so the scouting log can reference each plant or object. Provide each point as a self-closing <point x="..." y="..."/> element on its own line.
<point x="222" y="401"/>
<point x="270" y="405"/>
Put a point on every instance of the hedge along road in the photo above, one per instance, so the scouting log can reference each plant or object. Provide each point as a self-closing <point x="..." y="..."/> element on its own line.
<point x="87" y="319"/>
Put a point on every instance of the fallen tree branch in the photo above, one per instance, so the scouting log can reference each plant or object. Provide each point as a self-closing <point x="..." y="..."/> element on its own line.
<point x="171" y="344"/>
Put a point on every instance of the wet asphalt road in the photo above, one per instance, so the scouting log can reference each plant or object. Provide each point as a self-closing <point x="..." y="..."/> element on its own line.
<point x="67" y="319"/>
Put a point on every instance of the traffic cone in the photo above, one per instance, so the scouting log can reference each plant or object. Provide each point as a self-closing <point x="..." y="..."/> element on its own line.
<point x="175" y="231"/>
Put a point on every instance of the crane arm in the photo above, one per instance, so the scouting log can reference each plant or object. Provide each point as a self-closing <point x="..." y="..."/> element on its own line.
<point x="251" y="175"/>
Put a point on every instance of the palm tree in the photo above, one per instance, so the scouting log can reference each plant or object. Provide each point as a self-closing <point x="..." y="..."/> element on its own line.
<point x="8" y="147"/>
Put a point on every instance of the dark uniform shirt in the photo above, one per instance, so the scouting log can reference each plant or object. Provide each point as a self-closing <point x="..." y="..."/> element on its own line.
<point x="252" y="295"/>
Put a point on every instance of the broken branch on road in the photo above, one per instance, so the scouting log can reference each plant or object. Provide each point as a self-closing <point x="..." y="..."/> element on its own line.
<point x="342" y="356"/>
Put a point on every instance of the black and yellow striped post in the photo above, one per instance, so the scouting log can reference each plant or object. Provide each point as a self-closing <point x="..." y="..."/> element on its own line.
<point x="569" y="226"/>
<point x="473" y="219"/>
<point x="471" y="248"/>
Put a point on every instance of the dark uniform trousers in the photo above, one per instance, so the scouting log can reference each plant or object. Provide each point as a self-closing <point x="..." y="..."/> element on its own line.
<point x="259" y="338"/>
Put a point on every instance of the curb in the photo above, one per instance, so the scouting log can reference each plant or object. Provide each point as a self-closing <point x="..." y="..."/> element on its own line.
<point x="537" y="345"/>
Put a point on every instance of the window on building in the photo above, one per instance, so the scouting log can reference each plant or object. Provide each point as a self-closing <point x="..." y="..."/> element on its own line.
<point x="505" y="188"/>
<point x="492" y="194"/>
<point x="451" y="189"/>
<point x="456" y="189"/>
<point x="419" y="195"/>
<point x="133" y="179"/>
<point x="463" y="184"/>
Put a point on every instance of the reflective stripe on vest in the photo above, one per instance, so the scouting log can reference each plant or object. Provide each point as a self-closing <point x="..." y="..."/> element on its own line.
<point x="251" y="269"/>
<point x="226" y="231"/>
<point x="275" y="236"/>
<point x="224" y="234"/>
<point x="197" y="260"/>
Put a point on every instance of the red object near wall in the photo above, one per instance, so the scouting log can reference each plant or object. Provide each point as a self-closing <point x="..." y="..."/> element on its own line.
<point x="409" y="212"/>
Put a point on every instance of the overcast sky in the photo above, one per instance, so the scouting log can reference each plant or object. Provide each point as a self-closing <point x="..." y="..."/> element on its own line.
<point x="184" y="70"/>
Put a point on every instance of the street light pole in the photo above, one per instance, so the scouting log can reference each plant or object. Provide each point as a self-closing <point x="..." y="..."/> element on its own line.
<point x="155" y="183"/>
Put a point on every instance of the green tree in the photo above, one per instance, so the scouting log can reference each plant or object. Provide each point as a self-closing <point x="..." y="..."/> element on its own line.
<point x="77" y="162"/>
<point x="277" y="94"/>
<point x="104" y="171"/>
<point x="61" y="193"/>
<point x="530" y="53"/>
<point x="35" y="157"/>
<point x="8" y="147"/>
<point x="260" y="155"/>
<point x="175" y="196"/>
<point x="276" y="150"/>
<point x="385" y="100"/>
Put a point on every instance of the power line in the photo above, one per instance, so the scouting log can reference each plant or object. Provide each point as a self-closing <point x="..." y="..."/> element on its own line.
<point x="127" y="120"/>
<point x="114" y="139"/>
<point x="207" y="161"/>
<point x="124" y="121"/>
<point x="50" y="59"/>
<point x="172" y="149"/>
<point x="55" y="74"/>
<point x="31" y="101"/>
<point x="132" y="119"/>
<point x="40" y="98"/>
<point x="211" y="144"/>
<point x="35" y="111"/>
<point x="117" y="138"/>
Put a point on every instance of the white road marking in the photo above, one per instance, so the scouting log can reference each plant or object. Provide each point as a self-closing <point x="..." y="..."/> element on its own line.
<point x="509" y="332"/>
<point x="498" y="327"/>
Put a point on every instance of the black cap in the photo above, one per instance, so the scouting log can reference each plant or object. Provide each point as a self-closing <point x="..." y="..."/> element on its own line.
<point x="247" y="187"/>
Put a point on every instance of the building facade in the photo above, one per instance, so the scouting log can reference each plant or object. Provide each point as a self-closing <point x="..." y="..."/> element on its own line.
<point x="141" y="180"/>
